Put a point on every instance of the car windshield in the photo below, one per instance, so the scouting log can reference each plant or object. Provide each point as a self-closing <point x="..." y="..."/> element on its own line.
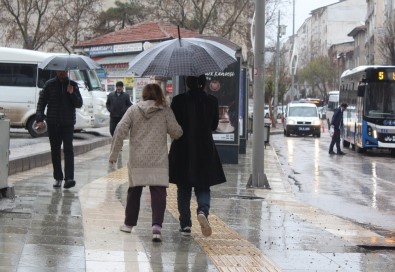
<point x="380" y="100"/>
<point x="303" y="111"/>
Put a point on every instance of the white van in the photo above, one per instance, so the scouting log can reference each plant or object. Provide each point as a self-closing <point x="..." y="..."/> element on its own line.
<point x="99" y="96"/>
<point x="333" y="104"/>
<point x="20" y="84"/>
<point x="301" y="118"/>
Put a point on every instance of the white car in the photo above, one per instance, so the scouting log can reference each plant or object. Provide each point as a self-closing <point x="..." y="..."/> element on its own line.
<point x="302" y="119"/>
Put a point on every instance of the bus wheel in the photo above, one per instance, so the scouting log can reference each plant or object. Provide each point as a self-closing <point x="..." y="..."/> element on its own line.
<point x="392" y="152"/>
<point x="32" y="131"/>
<point x="346" y="144"/>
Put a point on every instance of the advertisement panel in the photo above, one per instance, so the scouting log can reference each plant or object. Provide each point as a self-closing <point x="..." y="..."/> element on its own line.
<point x="225" y="86"/>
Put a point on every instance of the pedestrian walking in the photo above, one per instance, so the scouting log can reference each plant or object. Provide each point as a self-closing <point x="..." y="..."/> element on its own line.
<point x="194" y="162"/>
<point x="336" y="126"/>
<point x="117" y="104"/>
<point x="147" y="123"/>
<point x="61" y="96"/>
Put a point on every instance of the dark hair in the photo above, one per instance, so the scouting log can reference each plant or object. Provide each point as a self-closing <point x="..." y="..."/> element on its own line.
<point x="344" y="105"/>
<point x="154" y="92"/>
<point x="194" y="83"/>
<point x="119" y="84"/>
<point x="202" y="81"/>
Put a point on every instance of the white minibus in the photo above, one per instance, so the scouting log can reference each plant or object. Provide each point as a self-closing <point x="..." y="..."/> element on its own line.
<point x="333" y="104"/>
<point x="92" y="83"/>
<point x="20" y="84"/>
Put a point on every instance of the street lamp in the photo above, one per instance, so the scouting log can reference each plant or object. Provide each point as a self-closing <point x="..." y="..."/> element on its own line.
<point x="293" y="49"/>
<point x="281" y="30"/>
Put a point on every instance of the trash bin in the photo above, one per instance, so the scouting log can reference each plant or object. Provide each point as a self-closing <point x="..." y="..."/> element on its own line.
<point x="266" y="133"/>
<point x="5" y="191"/>
<point x="250" y="123"/>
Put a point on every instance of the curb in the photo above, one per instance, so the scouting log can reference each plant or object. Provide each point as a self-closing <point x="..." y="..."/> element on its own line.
<point x="41" y="159"/>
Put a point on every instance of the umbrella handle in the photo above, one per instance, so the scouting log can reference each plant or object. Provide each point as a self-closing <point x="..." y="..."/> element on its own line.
<point x="179" y="36"/>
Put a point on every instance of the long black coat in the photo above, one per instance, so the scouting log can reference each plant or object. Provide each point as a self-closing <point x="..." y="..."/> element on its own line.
<point x="193" y="158"/>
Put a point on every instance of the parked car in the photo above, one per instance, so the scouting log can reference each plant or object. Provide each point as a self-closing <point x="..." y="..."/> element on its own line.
<point x="302" y="119"/>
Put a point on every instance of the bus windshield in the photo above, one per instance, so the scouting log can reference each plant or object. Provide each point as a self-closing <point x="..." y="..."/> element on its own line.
<point x="380" y="100"/>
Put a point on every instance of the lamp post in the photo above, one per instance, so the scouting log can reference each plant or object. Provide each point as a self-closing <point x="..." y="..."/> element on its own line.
<point x="293" y="50"/>
<point x="280" y="32"/>
<point x="258" y="177"/>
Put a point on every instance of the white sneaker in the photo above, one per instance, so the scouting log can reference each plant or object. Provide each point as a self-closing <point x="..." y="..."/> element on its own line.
<point x="204" y="224"/>
<point x="125" y="228"/>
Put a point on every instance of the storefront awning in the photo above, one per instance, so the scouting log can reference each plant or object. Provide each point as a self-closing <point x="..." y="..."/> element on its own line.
<point x="114" y="59"/>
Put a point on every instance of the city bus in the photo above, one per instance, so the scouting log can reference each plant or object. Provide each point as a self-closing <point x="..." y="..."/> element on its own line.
<point x="369" y="121"/>
<point x="20" y="84"/>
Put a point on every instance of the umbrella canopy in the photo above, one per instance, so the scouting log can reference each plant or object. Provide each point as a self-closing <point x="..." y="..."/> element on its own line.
<point x="68" y="62"/>
<point x="183" y="57"/>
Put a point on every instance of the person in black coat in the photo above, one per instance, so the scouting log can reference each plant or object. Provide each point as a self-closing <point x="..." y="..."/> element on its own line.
<point x="336" y="125"/>
<point x="193" y="159"/>
<point x="117" y="104"/>
<point x="61" y="96"/>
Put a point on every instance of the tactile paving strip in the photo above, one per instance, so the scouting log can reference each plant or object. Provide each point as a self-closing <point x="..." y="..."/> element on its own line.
<point x="225" y="247"/>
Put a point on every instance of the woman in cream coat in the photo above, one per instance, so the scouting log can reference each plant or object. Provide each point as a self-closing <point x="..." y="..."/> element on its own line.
<point x="147" y="123"/>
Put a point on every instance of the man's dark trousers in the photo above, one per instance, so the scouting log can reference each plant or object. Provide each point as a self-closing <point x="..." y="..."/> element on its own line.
<point x="57" y="135"/>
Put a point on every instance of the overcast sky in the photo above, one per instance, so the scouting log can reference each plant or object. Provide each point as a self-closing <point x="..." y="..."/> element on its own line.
<point x="302" y="12"/>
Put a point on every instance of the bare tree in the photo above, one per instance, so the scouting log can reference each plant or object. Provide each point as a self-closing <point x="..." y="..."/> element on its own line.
<point x="29" y="21"/>
<point x="319" y="74"/>
<point x="386" y="43"/>
<point x="75" y="24"/>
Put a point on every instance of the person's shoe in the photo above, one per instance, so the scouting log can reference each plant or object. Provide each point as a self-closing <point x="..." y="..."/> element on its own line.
<point x="204" y="224"/>
<point x="185" y="231"/>
<point x="341" y="153"/>
<point x="68" y="184"/>
<point x="126" y="228"/>
<point x="156" y="233"/>
<point x="331" y="153"/>
<point x="57" y="183"/>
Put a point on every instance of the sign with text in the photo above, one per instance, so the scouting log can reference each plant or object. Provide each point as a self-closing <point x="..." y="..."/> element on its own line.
<point x="128" y="47"/>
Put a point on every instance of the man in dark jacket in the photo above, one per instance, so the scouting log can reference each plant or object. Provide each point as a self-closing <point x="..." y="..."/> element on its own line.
<point x="61" y="96"/>
<point x="117" y="104"/>
<point x="336" y="125"/>
<point x="193" y="159"/>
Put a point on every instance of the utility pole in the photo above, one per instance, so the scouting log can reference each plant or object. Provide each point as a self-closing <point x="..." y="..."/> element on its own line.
<point x="292" y="55"/>
<point x="258" y="178"/>
<point x="280" y="32"/>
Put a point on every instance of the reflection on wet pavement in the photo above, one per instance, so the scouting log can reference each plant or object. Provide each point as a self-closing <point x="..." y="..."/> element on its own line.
<point x="77" y="229"/>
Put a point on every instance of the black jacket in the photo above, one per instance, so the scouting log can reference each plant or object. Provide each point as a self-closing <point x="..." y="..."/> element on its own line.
<point x="60" y="104"/>
<point x="117" y="105"/>
<point x="193" y="158"/>
<point x="337" y="119"/>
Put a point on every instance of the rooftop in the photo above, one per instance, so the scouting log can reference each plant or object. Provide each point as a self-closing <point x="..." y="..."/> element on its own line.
<point x="145" y="31"/>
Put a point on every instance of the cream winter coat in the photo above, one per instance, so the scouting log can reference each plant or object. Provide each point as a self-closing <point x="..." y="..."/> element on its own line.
<point x="147" y="126"/>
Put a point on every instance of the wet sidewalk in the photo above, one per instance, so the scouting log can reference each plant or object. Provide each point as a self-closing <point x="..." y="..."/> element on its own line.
<point x="46" y="229"/>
